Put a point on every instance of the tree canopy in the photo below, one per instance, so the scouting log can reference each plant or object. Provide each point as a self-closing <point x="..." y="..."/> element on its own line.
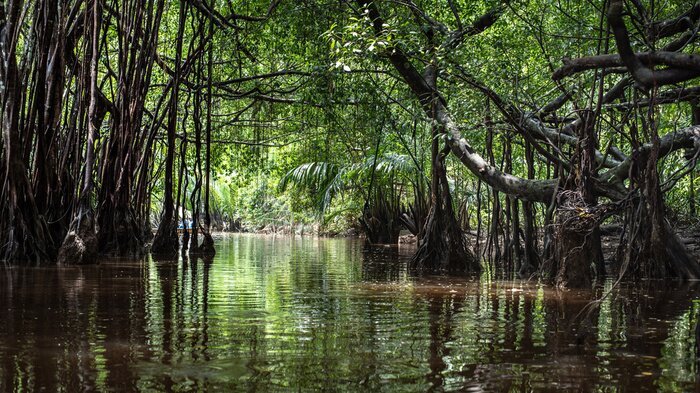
<point x="530" y="123"/>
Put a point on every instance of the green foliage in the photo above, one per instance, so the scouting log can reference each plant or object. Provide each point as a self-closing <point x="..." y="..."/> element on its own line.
<point x="305" y="151"/>
<point x="326" y="181"/>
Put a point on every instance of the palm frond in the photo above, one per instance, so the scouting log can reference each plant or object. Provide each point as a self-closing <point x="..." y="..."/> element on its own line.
<point x="324" y="180"/>
<point x="394" y="164"/>
<point x="309" y="175"/>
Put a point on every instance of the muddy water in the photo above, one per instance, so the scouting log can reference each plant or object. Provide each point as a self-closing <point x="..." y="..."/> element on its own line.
<point x="281" y="314"/>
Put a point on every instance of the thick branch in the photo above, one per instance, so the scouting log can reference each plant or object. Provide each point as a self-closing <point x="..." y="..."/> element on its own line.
<point x="535" y="190"/>
<point x="251" y="18"/>
<point x="691" y="63"/>
<point x="556" y="104"/>
<point x="530" y="125"/>
<point x="672" y="96"/>
<point x="213" y="15"/>
<point x="484" y="22"/>
<point x="640" y="72"/>
<point x="683" y="22"/>
<point x="687" y="138"/>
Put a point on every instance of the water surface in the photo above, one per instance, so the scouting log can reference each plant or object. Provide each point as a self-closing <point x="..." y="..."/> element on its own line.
<point x="307" y="314"/>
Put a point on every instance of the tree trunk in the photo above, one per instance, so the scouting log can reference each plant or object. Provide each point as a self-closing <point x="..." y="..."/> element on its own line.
<point x="207" y="246"/>
<point x="441" y="243"/>
<point x="574" y="248"/>
<point x="576" y="237"/>
<point x="166" y="241"/>
<point x="25" y="235"/>
<point x="118" y="218"/>
<point x="652" y="247"/>
<point x="80" y="244"/>
<point x="531" y="259"/>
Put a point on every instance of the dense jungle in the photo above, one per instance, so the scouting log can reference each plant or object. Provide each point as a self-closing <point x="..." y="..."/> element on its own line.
<point x="214" y="194"/>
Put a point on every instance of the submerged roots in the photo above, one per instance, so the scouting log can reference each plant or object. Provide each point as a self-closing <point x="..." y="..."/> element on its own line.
<point x="166" y="242"/>
<point x="80" y="244"/>
<point x="207" y="246"/>
<point x="443" y="247"/>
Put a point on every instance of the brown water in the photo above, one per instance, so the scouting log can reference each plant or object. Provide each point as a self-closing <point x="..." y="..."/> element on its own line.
<point x="303" y="314"/>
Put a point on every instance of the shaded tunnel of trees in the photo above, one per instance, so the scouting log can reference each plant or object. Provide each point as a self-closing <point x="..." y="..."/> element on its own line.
<point x="502" y="134"/>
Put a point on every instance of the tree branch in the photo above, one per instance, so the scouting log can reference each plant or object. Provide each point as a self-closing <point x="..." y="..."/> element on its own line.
<point x="640" y="72"/>
<point x="683" y="22"/>
<point x="691" y="63"/>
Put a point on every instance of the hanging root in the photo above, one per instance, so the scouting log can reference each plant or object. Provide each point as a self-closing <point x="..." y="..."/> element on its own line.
<point x="207" y="246"/>
<point x="576" y="238"/>
<point x="26" y="241"/>
<point x="147" y="232"/>
<point x="165" y="241"/>
<point x="653" y="250"/>
<point x="80" y="244"/>
<point x="443" y="247"/>
<point x="119" y="233"/>
<point x="683" y="264"/>
<point x="185" y="239"/>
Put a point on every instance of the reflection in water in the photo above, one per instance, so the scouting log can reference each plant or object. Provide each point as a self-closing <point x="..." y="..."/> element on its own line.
<point x="271" y="314"/>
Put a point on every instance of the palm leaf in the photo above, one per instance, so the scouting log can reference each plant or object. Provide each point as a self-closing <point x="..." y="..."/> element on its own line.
<point x="324" y="180"/>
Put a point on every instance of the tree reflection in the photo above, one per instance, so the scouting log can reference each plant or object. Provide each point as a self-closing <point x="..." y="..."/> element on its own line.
<point x="309" y="314"/>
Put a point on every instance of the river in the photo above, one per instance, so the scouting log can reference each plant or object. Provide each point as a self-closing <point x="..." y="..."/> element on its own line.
<point x="308" y="314"/>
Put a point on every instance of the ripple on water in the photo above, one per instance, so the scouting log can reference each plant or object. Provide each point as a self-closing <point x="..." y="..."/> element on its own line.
<point x="290" y="314"/>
